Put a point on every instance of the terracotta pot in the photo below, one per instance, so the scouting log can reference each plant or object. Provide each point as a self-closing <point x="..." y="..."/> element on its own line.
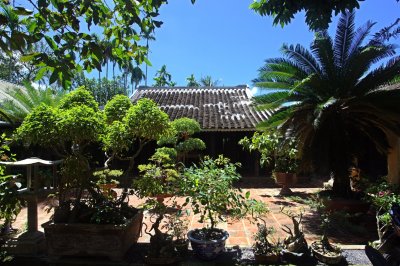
<point x="160" y="197"/>
<point x="267" y="258"/>
<point x="208" y="249"/>
<point x="106" y="189"/>
<point x="285" y="180"/>
<point x="105" y="240"/>
<point x="333" y="258"/>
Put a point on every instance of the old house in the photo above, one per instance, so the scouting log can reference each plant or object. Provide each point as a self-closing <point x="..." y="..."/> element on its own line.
<point x="225" y="114"/>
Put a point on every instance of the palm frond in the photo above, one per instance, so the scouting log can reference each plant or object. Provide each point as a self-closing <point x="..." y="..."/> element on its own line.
<point x="322" y="48"/>
<point x="343" y="38"/>
<point x="379" y="76"/>
<point x="359" y="37"/>
<point x="302" y="58"/>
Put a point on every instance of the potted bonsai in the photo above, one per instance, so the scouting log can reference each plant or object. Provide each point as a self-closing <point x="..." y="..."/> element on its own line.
<point x="158" y="178"/>
<point x="85" y="222"/>
<point x="277" y="153"/>
<point x="177" y="227"/>
<point x="106" y="180"/>
<point x="158" y="181"/>
<point x="266" y="250"/>
<point x="209" y="190"/>
<point x="323" y="250"/>
<point x="182" y="138"/>
<point x="295" y="241"/>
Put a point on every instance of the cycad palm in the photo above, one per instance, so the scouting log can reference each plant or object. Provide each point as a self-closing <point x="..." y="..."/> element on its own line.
<point x="329" y="99"/>
<point x="19" y="101"/>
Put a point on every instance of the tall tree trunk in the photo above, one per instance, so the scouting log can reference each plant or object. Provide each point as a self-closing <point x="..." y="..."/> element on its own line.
<point x="147" y="55"/>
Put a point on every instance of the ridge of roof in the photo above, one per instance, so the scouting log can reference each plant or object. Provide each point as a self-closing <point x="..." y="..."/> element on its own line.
<point x="192" y="88"/>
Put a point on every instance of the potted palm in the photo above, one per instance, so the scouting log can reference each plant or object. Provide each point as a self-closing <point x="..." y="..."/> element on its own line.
<point x="209" y="189"/>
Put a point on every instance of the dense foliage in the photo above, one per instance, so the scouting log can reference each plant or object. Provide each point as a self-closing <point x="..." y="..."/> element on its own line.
<point x="67" y="27"/>
<point x="143" y="122"/>
<point x="182" y="138"/>
<point x="330" y="100"/>
<point x="276" y="152"/>
<point x="318" y="13"/>
<point x="209" y="189"/>
<point x="116" y="108"/>
<point x="19" y="102"/>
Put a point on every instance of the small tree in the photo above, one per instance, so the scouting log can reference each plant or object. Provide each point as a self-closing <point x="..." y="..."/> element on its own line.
<point x="144" y="122"/>
<point x="183" y="130"/>
<point x="67" y="130"/>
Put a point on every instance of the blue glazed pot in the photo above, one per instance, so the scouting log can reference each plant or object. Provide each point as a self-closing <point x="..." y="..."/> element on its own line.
<point x="208" y="249"/>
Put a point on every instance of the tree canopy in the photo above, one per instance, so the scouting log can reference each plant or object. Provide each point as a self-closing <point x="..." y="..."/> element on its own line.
<point x="318" y="13"/>
<point x="68" y="26"/>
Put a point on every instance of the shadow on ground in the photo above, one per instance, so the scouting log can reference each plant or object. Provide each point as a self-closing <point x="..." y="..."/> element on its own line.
<point x="232" y="256"/>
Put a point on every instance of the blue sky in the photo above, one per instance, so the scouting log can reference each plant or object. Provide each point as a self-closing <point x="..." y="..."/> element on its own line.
<point x="228" y="41"/>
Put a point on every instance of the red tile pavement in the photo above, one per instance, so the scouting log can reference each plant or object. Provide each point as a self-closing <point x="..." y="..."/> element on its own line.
<point x="241" y="231"/>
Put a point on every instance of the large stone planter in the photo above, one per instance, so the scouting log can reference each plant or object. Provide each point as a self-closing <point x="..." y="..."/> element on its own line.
<point x="105" y="240"/>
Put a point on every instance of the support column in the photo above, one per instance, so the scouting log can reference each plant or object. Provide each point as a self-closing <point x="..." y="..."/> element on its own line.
<point x="393" y="159"/>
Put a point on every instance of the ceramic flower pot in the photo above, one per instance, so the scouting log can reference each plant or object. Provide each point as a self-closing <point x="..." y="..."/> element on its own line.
<point x="332" y="257"/>
<point x="267" y="258"/>
<point x="208" y="249"/>
<point x="285" y="180"/>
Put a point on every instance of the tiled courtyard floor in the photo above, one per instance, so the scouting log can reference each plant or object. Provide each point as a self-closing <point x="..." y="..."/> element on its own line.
<point x="241" y="231"/>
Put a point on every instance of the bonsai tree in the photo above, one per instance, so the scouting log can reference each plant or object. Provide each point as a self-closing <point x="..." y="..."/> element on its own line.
<point x="278" y="153"/>
<point x="323" y="250"/>
<point x="182" y="137"/>
<point x="265" y="248"/>
<point x="209" y="190"/>
<point x="69" y="130"/>
<point x="158" y="177"/>
<point x="158" y="180"/>
<point x="331" y="100"/>
<point x="116" y="108"/>
<point x="125" y="138"/>
<point x="295" y="241"/>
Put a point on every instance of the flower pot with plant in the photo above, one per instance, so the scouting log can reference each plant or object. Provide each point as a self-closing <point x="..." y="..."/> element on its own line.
<point x="265" y="248"/>
<point x="323" y="250"/>
<point x="157" y="181"/>
<point x="277" y="153"/>
<point x="106" y="180"/>
<point x="177" y="226"/>
<point x="209" y="190"/>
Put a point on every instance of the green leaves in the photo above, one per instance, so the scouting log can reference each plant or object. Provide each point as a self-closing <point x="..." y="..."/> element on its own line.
<point x="67" y="26"/>
<point x="318" y="15"/>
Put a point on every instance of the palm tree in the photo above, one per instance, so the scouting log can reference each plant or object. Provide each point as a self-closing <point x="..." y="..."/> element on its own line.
<point x="330" y="100"/>
<point x="147" y="34"/>
<point x="192" y="82"/>
<point x="208" y="81"/>
<point x="163" y="78"/>
<point x="19" y="101"/>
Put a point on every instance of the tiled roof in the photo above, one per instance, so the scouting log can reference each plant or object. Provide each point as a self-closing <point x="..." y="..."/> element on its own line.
<point x="215" y="108"/>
